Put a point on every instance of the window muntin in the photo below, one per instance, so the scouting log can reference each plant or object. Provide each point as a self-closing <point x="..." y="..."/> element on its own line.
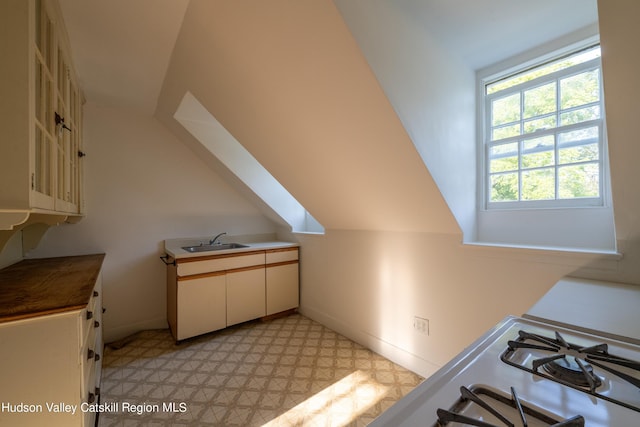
<point x="544" y="135"/>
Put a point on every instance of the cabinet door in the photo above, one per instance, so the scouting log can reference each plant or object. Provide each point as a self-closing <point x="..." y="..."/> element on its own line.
<point x="40" y="365"/>
<point x="75" y="153"/>
<point x="44" y="150"/>
<point x="245" y="295"/>
<point x="282" y="288"/>
<point x="201" y="306"/>
<point x="67" y="134"/>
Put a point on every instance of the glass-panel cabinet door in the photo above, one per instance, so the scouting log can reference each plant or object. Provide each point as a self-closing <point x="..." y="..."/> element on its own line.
<point x="42" y="176"/>
<point x="65" y="134"/>
<point x="74" y="124"/>
<point x="78" y="149"/>
<point x="61" y="156"/>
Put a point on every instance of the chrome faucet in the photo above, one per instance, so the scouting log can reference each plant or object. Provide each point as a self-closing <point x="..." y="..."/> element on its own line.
<point x="213" y="241"/>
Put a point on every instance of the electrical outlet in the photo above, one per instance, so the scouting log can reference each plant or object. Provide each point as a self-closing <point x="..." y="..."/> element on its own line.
<point x="421" y="325"/>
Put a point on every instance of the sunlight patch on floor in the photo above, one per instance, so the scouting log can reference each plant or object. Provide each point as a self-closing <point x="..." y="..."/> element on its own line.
<point x="335" y="405"/>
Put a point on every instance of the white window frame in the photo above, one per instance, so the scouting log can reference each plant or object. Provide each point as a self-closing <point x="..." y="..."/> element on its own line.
<point x="485" y="130"/>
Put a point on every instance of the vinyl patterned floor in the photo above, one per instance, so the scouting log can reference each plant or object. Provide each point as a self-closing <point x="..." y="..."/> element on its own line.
<point x="289" y="371"/>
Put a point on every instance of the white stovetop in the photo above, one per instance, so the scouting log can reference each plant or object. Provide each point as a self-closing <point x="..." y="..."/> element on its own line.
<point x="480" y="364"/>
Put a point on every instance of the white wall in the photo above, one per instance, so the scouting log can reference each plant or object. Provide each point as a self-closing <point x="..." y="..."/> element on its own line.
<point x="288" y="81"/>
<point x="12" y="251"/>
<point x="577" y="229"/>
<point x="369" y="285"/>
<point x="272" y="93"/>
<point x="619" y="35"/>
<point x="432" y="92"/>
<point x="143" y="186"/>
<point x="220" y="143"/>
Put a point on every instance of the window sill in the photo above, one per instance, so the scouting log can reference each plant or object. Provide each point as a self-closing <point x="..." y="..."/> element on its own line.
<point x="596" y="259"/>
<point x="308" y="233"/>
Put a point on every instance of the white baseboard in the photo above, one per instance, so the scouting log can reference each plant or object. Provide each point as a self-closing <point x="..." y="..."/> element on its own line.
<point x="394" y="353"/>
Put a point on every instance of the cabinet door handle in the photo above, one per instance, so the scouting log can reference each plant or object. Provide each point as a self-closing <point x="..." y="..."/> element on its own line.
<point x="96" y="293"/>
<point x="90" y="354"/>
<point x="89" y="315"/>
<point x="96" y="324"/>
<point x="97" y="391"/>
<point x="97" y="357"/>
<point x="103" y="310"/>
<point x="92" y="398"/>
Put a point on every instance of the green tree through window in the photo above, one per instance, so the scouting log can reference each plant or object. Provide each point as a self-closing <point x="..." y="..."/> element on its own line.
<point x="544" y="132"/>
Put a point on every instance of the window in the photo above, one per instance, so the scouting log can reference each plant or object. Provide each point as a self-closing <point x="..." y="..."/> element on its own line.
<point x="544" y="135"/>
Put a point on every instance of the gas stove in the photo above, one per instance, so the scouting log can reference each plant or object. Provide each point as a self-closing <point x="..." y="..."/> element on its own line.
<point x="587" y="365"/>
<point x="529" y="373"/>
<point x="486" y="407"/>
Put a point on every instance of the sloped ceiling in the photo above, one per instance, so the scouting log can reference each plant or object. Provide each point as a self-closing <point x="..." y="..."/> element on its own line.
<point x="289" y="82"/>
<point x="483" y="32"/>
<point x="121" y="48"/>
<point x="621" y="62"/>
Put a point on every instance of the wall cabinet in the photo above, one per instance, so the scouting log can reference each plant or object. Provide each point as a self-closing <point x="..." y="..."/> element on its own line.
<point x="208" y="293"/>
<point x="40" y="115"/>
<point x="51" y="340"/>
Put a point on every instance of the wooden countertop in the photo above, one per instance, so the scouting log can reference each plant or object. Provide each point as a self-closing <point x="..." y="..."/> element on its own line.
<point x="35" y="287"/>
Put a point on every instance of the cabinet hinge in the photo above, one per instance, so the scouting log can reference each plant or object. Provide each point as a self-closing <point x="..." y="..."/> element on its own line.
<point x="33" y="181"/>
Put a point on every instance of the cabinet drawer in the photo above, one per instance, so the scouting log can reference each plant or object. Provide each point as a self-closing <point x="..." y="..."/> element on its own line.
<point x="282" y="255"/>
<point x="88" y="380"/>
<point x="188" y="268"/>
<point x="91" y="357"/>
<point x="89" y="340"/>
<point x="93" y="312"/>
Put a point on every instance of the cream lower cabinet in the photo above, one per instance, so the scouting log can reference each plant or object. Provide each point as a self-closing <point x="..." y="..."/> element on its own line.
<point x="245" y="295"/>
<point x="282" y="280"/>
<point x="205" y="294"/>
<point x="208" y="293"/>
<point x="50" y="361"/>
<point x="201" y="305"/>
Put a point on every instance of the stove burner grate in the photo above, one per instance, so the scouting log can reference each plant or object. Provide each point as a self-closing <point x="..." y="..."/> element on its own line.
<point x="573" y="365"/>
<point x="524" y="412"/>
<point x="572" y="370"/>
